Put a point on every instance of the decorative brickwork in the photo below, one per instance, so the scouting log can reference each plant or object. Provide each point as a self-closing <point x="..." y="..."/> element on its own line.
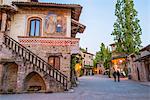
<point x="49" y="41"/>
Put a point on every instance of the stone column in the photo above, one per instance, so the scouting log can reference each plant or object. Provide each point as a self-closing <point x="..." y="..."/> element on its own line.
<point x="4" y="18"/>
<point x="1" y="39"/>
<point x="1" y="74"/>
<point x="20" y="77"/>
<point x="3" y="26"/>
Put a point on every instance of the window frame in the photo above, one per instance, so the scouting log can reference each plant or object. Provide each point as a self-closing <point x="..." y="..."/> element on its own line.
<point x="29" y="26"/>
<point x="54" y="61"/>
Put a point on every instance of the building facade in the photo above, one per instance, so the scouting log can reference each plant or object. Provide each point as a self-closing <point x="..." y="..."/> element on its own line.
<point x="37" y="41"/>
<point x="139" y="65"/>
<point x="118" y="61"/>
<point x="87" y="62"/>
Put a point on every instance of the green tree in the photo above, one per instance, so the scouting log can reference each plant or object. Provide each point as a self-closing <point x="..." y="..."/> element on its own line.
<point x="104" y="55"/>
<point x="127" y="30"/>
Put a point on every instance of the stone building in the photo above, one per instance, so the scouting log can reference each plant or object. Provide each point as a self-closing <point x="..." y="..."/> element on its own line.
<point x="87" y="62"/>
<point x="36" y="43"/>
<point x="99" y="68"/>
<point x="118" y="61"/>
<point x="139" y="65"/>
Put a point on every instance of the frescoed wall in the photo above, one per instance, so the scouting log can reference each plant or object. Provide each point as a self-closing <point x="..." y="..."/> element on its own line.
<point x="55" y="25"/>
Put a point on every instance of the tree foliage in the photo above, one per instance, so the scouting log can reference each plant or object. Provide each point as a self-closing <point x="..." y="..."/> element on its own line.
<point x="127" y="30"/>
<point x="104" y="56"/>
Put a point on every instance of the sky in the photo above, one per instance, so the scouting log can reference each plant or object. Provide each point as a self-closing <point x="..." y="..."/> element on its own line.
<point x="99" y="16"/>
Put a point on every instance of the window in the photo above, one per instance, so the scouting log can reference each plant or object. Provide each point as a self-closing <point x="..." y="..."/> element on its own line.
<point x="54" y="61"/>
<point x="34" y="27"/>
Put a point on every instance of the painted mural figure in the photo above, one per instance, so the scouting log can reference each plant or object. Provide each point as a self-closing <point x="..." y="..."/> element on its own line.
<point x="55" y="23"/>
<point x="50" y="23"/>
<point x="59" y="24"/>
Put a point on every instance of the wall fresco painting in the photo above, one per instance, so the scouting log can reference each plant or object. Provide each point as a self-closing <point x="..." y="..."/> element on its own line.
<point x="50" y="23"/>
<point x="55" y="24"/>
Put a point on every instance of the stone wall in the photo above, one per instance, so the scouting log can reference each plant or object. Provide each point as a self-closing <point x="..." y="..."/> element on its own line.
<point x="10" y="77"/>
<point x="14" y="71"/>
<point x="134" y="67"/>
<point x="45" y="51"/>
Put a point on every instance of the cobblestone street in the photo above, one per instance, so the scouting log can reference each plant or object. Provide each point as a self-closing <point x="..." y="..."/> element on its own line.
<point x="93" y="88"/>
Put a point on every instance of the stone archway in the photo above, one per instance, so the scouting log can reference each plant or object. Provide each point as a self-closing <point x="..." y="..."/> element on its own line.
<point x="34" y="82"/>
<point x="10" y="77"/>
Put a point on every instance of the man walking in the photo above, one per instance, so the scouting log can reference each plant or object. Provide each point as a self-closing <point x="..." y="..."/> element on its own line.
<point x="114" y="75"/>
<point x="118" y="75"/>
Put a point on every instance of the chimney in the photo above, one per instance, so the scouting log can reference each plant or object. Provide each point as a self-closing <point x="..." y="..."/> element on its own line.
<point x="86" y="49"/>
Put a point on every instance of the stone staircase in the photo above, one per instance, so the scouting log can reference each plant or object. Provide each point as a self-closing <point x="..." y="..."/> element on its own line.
<point x="34" y="62"/>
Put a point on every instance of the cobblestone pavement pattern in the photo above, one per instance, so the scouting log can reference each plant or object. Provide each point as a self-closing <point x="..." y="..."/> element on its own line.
<point x="93" y="88"/>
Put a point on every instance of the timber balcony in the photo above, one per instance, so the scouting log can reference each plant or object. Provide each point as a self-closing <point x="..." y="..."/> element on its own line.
<point x="38" y="62"/>
<point x="49" y="41"/>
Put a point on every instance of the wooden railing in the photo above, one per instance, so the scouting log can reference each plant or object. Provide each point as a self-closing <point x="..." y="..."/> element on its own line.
<point x="28" y="55"/>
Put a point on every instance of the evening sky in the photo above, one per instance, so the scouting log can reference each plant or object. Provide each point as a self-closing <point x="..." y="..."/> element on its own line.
<point x="98" y="16"/>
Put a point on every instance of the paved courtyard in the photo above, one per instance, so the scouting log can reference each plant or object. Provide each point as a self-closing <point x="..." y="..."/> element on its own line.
<point x="93" y="88"/>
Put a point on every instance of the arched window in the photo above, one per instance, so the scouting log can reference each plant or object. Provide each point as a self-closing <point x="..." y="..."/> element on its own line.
<point x="34" y="29"/>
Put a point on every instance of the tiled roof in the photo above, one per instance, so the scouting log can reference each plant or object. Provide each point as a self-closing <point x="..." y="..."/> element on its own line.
<point x="146" y="48"/>
<point x="88" y="53"/>
<point x="147" y="57"/>
<point x="46" y="4"/>
<point x="75" y="8"/>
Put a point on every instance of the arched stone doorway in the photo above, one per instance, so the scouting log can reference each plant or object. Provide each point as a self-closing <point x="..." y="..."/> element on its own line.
<point x="10" y="77"/>
<point x="34" y="82"/>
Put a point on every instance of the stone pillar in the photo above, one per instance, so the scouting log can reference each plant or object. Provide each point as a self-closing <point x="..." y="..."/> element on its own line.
<point x="20" y="77"/>
<point x="1" y="40"/>
<point x="3" y="26"/>
<point x="4" y="18"/>
<point x="1" y="75"/>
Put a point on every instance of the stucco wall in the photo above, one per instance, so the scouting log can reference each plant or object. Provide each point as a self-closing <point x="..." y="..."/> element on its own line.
<point x="19" y="22"/>
<point x="88" y="59"/>
<point x="18" y="26"/>
<point x="8" y="2"/>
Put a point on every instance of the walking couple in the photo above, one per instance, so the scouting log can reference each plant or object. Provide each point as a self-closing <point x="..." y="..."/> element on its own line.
<point x="116" y="74"/>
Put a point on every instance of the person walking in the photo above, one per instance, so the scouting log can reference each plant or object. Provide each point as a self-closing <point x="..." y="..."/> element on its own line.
<point x="118" y="75"/>
<point x="114" y="75"/>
